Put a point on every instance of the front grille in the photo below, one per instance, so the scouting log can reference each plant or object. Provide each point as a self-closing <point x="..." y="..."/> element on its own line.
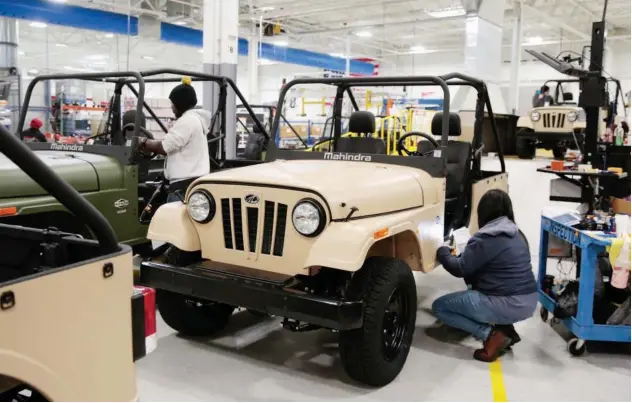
<point x="274" y="225"/>
<point x="553" y="120"/>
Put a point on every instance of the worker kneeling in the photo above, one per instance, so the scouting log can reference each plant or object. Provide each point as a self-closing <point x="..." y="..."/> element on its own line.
<point x="496" y="264"/>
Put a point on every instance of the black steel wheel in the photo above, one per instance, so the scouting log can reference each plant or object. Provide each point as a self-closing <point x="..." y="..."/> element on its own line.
<point x="576" y="347"/>
<point x="544" y="314"/>
<point x="376" y="353"/>
<point x="395" y="323"/>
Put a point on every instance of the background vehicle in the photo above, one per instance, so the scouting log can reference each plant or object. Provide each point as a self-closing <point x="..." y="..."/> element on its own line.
<point x="69" y="330"/>
<point x="106" y="168"/>
<point x="325" y="239"/>
<point x="557" y="127"/>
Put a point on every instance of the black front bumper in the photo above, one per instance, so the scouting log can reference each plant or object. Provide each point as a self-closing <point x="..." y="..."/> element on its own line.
<point x="550" y="136"/>
<point x="256" y="294"/>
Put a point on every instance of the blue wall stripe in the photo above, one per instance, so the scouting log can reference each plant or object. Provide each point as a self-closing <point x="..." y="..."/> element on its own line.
<point x="67" y="15"/>
<point x="87" y="18"/>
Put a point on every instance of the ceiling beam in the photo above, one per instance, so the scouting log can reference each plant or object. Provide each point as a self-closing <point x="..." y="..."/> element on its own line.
<point x="556" y="22"/>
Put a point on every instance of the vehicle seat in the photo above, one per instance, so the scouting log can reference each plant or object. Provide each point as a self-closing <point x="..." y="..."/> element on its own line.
<point x="363" y="124"/>
<point x="128" y="117"/>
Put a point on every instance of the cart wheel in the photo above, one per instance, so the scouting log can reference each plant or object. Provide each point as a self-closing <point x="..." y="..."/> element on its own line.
<point x="576" y="347"/>
<point x="544" y="314"/>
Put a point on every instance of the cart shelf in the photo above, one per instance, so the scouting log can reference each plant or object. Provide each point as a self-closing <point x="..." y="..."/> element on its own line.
<point x="582" y="325"/>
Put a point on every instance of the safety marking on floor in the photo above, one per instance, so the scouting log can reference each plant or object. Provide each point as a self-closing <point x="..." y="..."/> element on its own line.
<point x="498" y="383"/>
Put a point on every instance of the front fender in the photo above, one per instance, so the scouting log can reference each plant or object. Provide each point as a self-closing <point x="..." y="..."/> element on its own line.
<point x="358" y="236"/>
<point x="525" y="122"/>
<point x="171" y="224"/>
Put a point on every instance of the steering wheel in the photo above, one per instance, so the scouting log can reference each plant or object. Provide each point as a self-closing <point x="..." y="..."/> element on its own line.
<point x="401" y="144"/>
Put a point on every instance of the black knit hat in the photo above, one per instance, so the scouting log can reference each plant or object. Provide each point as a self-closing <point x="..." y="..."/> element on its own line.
<point x="183" y="96"/>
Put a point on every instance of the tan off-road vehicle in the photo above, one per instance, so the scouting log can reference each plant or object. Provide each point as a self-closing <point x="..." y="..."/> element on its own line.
<point x="68" y="331"/>
<point x="559" y="126"/>
<point x="325" y="239"/>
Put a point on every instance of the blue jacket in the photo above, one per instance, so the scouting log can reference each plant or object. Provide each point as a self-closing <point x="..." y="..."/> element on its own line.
<point x="496" y="260"/>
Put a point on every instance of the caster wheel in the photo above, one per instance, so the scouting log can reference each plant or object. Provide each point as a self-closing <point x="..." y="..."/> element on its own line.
<point x="576" y="347"/>
<point x="544" y="314"/>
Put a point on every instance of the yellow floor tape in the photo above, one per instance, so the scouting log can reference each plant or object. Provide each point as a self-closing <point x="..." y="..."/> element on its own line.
<point x="498" y="383"/>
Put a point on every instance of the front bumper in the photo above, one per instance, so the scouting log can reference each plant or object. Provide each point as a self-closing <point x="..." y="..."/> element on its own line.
<point x="253" y="293"/>
<point x="551" y="136"/>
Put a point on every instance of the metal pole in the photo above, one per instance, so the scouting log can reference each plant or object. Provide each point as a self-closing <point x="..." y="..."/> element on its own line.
<point x="347" y="56"/>
<point x="516" y="53"/>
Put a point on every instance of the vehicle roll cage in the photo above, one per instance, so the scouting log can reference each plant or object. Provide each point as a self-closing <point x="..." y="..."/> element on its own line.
<point x="558" y="85"/>
<point x="272" y="111"/>
<point x="344" y="85"/>
<point x="128" y="79"/>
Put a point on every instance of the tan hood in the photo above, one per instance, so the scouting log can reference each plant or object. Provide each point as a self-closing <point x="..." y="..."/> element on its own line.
<point x="372" y="188"/>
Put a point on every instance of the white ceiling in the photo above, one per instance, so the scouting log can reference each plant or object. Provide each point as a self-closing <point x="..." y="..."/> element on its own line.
<point x="395" y="26"/>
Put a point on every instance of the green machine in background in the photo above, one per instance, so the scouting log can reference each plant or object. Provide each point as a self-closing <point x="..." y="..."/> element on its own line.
<point x="106" y="168"/>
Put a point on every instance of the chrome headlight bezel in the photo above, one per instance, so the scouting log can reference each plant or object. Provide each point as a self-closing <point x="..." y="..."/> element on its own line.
<point x="321" y="216"/>
<point x="535" y="116"/>
<point x="572" y="116"/>
<point x="211" y="202"/>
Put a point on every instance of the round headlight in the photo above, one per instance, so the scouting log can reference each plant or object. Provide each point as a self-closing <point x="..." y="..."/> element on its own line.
<point x="535" y="116"/>
<point x="201" y="206"/>
<point x="308" y="217"/>
<point x="572" y="116"/>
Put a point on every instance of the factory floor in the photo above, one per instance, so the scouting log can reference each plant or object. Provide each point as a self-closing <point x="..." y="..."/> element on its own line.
<point x="255" y="359"/>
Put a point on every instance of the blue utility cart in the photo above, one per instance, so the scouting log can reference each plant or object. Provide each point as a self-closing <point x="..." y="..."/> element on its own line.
<point x="582" y="326"/>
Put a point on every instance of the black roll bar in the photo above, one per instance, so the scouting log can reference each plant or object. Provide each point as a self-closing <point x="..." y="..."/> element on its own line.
<point x="89" y="77"/>
<point x="44" y="176"/>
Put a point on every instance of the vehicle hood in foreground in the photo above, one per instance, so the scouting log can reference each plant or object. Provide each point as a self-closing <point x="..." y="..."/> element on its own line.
<point x="84" y="172"/>
<point x="371" y="188"/>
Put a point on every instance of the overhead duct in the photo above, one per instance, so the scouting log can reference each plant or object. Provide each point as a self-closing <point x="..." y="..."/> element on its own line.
<point x="149" y="20"/>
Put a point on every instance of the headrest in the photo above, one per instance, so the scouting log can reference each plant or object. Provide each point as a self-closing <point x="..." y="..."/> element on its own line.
<point x="454" y="128"/>
<point x="362" y="122"/>
<point x="130" y="117"/>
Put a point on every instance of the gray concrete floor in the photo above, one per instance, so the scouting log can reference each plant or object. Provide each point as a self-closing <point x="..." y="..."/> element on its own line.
<point x="256" y="360"/>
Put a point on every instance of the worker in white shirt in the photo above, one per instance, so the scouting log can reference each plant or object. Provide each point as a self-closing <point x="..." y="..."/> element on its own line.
<point x="185" y="145"/>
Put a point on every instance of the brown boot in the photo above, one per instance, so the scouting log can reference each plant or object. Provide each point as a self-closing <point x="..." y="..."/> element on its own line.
<point x="496" y="342"/>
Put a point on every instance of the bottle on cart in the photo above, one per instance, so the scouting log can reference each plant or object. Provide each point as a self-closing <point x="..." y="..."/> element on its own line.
<point x="621" y="269"/>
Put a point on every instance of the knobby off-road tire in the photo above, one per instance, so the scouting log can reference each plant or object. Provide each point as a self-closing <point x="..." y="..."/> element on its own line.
<point x="190" y="316"/>
<point x="525" y="148"/>
<point x="375" y="354"/>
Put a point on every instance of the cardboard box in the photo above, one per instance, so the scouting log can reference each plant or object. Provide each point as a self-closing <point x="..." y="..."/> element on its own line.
<point x="621" y="206"/>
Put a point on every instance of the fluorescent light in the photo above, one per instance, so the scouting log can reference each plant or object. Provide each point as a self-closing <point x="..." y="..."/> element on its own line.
<point x="97" y="57"/>
<point x="21" y="52"/>
<point x="78" y="69"/>
<point x="364" y="34"/>
<point x="418" y="49"/>
<point x="33" y="71"/>
<point x="61" y="45"/>
<point x="110" y="35"/>
<point x="181" y="22"/>
<point x="58" y="1"/>
<point x="266" y="62"/>
<point x="533" y="40"/>
<point x="281" y="43"/>
<point x="448" y="12"/>
<point x="266" y="8"/>
<point x="147" y="57"/>
<point x="408" y="36"/>
<point x="37" y="24"/>
<point x="340" y="55"/>
<point x="201" y="50"/>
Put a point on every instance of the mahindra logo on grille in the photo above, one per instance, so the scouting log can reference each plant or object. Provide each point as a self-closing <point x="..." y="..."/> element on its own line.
<point x="347" y="157"/>
<point x="252" y="199"/>
<point x="66" y="147"/>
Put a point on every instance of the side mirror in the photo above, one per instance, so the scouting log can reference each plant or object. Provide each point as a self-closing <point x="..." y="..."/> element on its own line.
<point x="568" y="97"/>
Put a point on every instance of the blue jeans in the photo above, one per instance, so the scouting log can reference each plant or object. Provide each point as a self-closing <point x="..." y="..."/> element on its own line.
<point x="474" y="312"/>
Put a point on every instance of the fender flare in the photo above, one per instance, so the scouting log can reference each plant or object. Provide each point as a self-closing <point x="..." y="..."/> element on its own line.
<point x="171" y="224"/>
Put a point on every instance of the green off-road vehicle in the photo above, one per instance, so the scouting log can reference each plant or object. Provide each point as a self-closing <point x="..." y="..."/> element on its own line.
<point x="106" y="168"/>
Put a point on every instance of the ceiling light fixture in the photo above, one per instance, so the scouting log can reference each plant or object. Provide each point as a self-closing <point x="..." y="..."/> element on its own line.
<point x="266" y="62"/>
<point x="534" y="40"/>
<point x="71" y="68"/>
<point x="447" y="12"/>
<point x="33" y="71"/>
<point x="418" y="49"/>
<point x="61" y="45"/>
<point x="110" y="35"/>
<point x="181" y="22"/>
<point x="340" y="55"/>
<point x="97" y="57"/>
<point x="38" y="24"/>
<point x="364" y="34"/>
<point x="281" y="43"/>
<point x="21" y="52"/>
<point x="147" y="57"/>
<point x="266" y="8"/>
<point x="201" y="50"/>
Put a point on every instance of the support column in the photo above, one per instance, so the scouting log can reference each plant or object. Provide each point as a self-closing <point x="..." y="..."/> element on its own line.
<point x="253" y="70"/>
<point x="516" y="53"/>
<point x="482" y="51"/>
<point x="221" y="27"/>
<point x="347" y="56"/>
<point x="9" y="89"/>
